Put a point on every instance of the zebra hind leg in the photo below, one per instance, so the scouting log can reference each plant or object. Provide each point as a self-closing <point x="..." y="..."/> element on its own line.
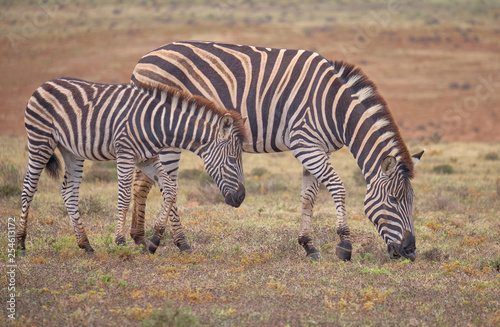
<point x="307" y="197"/>
<point x="70" y="191"/>
<point x="125" y="168"/>
<point x="142" y="187"/>
<point x="42" y="157"/>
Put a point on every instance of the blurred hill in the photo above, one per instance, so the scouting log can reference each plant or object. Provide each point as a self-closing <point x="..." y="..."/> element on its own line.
<point x="437" y="63"/>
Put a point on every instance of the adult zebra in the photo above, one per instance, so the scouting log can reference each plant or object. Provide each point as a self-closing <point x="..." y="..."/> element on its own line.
<point x="298" y="101"/>
<point x="130" y="124"/>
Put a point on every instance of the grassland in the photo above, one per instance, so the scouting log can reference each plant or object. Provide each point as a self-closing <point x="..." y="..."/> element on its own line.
<point x="247" y="268"/>
<point x="428" y="59"/>
<point x="431" y="60"/>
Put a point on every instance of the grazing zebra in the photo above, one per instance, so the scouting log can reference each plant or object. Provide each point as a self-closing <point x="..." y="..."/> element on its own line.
<point x="298" y="101"/>
<point x="130" y="124"/>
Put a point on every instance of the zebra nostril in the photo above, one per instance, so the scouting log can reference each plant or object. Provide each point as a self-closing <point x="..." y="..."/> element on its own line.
<point x="241" y="192"/>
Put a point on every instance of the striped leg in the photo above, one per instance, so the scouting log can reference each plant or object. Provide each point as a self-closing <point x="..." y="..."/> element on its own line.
<point x="156" y="171"/>
<point x="125" y="167"/>
<point x="310" y="187"/>
<point x="142" y="186"/>
<point x="38" y="159"/>
<point x="317" y="163"/>
<point x="70" y="192"/>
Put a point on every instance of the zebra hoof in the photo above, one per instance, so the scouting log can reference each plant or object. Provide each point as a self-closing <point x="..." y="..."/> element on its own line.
<point x="22" y="253"/>
<point x="152" y="248"/>
<point x="186" y="249"/>
<point x="344" y="251"/>
<point x="120" y="240"/>
<point x="89" y="250"/>
<point x="314" y="256"/>
<point x="153" y="244"/>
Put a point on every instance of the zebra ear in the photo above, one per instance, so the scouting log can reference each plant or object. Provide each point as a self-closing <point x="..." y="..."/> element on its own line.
<point x="389" y="165"/>
<point x="416" y="157"/>
<point x="226" y="123"/>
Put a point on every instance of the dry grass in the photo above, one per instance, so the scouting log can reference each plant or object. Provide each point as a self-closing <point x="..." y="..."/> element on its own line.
<point x="411" y="54"/>
<point x="248" y="268"/>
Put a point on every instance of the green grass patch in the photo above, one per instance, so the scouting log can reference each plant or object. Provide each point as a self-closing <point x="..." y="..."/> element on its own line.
<point x="11" y="180"/>
<point x="168" y="315"/>
<point x="443" y="169"/>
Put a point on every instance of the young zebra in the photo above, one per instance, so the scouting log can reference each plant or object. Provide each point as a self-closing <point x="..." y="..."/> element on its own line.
<point x="298" y="101"/>
<point x="130" y="124"/>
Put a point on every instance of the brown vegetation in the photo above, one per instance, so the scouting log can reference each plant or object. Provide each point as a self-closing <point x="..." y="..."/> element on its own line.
<point x="429" y="62"/>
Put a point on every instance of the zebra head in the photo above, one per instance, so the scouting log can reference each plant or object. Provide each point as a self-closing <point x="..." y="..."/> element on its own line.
<point x="223" y="161"/>
<point x="388" y="205"/>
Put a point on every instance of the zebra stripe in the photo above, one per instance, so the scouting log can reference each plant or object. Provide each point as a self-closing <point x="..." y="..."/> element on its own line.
<point x="131" y="124"/>
<point x="298" y="101"/>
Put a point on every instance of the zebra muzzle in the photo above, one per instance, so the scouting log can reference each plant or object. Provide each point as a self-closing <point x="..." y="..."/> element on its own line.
<point x="235" y="199"/>
<point x="406" y="249"/>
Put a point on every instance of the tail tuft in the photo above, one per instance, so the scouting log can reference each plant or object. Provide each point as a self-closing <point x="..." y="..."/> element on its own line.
<point x="53" y="167"/>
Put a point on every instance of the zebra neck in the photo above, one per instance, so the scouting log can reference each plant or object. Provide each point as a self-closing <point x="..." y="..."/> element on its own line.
<point x="190" y="127"/>
<point x="370" y="147"/>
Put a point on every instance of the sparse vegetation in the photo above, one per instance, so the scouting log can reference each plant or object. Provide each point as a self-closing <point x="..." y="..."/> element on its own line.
<point x="443" y="169"/>
<point x="492" y="156"/>
<point x="198" y="175"/>
<point x="104" y="171"/>
<point x="247" y="268"/>
<point x="11" y="180"/>
<point x="170" y="316"/>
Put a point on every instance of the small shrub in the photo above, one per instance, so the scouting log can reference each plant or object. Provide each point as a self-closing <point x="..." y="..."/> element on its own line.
<point x="91" y="205"/>
<point x="435" y="138"/>
<point x="259" y="172"/>
<point x="197" y="175"/>
<point x="104" y="171"/>
<point x="435" y="254"/>
<point x="11" y="181"/>
<point x="443" y="169"/>
<point x="205" y="194"/>
<point x="124" y="252"/>
<point x="495" y="264"/>
<point x="358" y="177"/>
<point x="491" y="156"/>
<point x="168" y="316"/>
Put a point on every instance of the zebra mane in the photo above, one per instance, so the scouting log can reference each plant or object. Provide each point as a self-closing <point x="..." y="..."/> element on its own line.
<point x="199" y="101"/>
<point x="358" y="80"/>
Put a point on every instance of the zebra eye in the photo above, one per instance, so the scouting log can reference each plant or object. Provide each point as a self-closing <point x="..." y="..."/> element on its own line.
<point x="231" y="160"/>
<point x="392" y="200"/>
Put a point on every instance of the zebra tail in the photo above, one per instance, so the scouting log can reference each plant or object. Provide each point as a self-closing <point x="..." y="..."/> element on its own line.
<point x="53" y="167"/>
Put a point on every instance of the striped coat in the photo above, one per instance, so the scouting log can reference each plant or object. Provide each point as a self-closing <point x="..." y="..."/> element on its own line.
<point x="296" y="100"/>
<point x="131" y="124"/>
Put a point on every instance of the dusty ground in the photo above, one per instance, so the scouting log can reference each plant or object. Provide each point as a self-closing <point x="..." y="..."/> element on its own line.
<point x="436" y="64"/>
<point x="248" y="268"/>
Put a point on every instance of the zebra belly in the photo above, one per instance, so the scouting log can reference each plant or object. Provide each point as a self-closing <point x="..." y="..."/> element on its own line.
<point x="102" y="153"/>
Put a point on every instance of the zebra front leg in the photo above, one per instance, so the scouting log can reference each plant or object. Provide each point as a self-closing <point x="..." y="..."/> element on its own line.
<point x="70" y="192"/>
<point x="308" y="197"/>
<point x="316" y="161"/>
<point x="142" y="187"/>
<point x="169" y="158"/>
<point x="169" y="210"/>
<point x="156" y="171"/>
